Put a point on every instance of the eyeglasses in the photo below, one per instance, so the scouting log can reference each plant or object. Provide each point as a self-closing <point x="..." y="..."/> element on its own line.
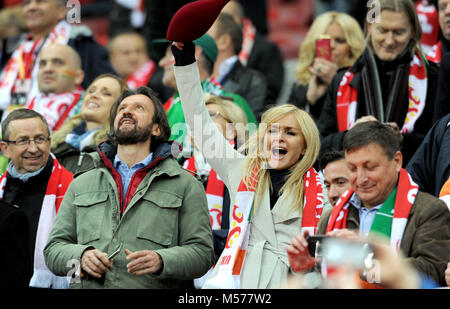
<point x="26" y="141"/>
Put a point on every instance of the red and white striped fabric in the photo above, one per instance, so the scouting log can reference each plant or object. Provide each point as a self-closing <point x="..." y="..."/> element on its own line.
<point x="233" y="256"/>
<point x="347" y="97"/>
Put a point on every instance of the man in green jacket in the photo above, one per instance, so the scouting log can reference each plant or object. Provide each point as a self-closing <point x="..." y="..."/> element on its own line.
<point x="136" y="201"/>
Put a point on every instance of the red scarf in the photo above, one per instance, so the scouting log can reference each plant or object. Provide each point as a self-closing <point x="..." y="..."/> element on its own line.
<point x="248" y="40"/>
<point x="429" y="21"/>
<point x="233" y="256"/>
<point x="56" y="107"/>
<point x="142" y="76"/>
<point x="347" y="97"/>
<point x="215" y="189"/>
<point x="404" y="200"/>
<point x="435" y="54"/>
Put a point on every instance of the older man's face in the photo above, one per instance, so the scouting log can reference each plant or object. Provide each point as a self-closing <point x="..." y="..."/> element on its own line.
<point x="444" y="17"/>
<point x="373" y="176"/>
<point x="32" y="156"/>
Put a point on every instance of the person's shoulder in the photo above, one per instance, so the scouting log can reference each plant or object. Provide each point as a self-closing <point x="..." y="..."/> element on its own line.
<point x="428" y="203"/>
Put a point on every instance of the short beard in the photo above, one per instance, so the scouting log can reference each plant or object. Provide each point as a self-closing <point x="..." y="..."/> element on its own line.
<point x="135" y="136"/>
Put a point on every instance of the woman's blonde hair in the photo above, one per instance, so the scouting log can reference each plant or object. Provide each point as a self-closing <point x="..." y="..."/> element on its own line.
<point x="232" y="113"/>
<point x="256" y="158"/>
<point x="353" y="35"/>
<point x="101" y="135"/>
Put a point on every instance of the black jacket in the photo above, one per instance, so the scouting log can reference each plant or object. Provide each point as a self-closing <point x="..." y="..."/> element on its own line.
<point x="267" y="58"/>
<point x="442" y="107"/>
<point x="249" y="84"/>
<point x="298" y="98"/>
<point x="72" y="159"/>
<point x="430" y="165"/>
<point x="327" y="124"/>
<point x="16" y="268"/>
<point x="28" y="196"/>
<point x="94" y="57"/>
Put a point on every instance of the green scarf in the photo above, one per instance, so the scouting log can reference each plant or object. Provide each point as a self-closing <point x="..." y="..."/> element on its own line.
<point x="382" y="223"/>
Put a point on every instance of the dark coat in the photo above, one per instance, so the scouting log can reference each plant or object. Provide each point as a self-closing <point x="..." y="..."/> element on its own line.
<point x="426" y="239"/>
<point x="16" y="268"/>
<point x="442" y="107"/>
<point x="72" y="159"/>
<point x="430" y="165"/>
<point x="327" y="124"/>
<point x="267" y="58"/>
<point x="94" y="57"/>
<point x="298" y="98"/>
<point x="249" y="84"/>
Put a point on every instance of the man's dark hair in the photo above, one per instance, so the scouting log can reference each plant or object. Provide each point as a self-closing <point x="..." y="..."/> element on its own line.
<point x="369" y="132"/>
<point x="159" y="117"/>
<point x="329" y="157"/>
<point x="226" y="24"/>
<point x="21" y="113"/>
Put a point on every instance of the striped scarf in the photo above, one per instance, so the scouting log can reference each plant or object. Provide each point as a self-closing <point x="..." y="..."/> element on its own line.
<point x="347" y="97"/>
<point x="248" y="40"/>
<point x="142" y="76"/>
<point x="57" y="186"/>
<point x="56" y="108"/>
<point x="215" y="189"/>
<point x="23" y="63"/>
<point x="435" y="53"/>
<point x="233" y="256"/>
<point x="406" y="194"/>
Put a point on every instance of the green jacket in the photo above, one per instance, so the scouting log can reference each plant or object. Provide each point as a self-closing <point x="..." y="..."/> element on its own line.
<point x="168" y="214"/>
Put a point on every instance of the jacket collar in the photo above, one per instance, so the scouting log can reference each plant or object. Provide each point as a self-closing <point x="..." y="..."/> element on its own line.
<point x="107" y="152"/>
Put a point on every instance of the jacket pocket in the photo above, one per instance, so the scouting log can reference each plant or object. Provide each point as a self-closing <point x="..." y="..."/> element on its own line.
<point x="90" y="213"/>
<point x="159" y="218"/>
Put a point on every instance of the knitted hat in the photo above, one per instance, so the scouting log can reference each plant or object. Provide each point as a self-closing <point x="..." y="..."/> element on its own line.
<point x="206" y="42"/>
<point x="193" y="20"/>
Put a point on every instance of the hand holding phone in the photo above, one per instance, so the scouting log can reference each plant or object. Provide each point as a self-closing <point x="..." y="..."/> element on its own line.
<point x="314" y="244"/>
<point x="323" y="47"/>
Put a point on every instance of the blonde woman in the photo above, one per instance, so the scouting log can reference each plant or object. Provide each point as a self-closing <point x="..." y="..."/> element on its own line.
<point x="275" y="191"/>
<point x="83" y="132"/>
<point x="314" y="74"/>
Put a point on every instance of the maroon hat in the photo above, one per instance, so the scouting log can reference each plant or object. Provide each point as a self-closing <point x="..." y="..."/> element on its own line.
<point x="194" y="19"/>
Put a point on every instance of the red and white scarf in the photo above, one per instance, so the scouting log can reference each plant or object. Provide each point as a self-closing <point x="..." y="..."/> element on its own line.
<point x="142" y="76"/>
<point x="233" y="256"/>
<point x="406" y="195"/>
<point x="347" y="97"/>
<point x="24" y="63"/>
<point x="56" y="107"/>
<point x="248" y="40"/>
<point x="429" y="22"/>
<point x="215" y="189"/>
<point x="435" y="54"/>
<point x="58" y="183"/>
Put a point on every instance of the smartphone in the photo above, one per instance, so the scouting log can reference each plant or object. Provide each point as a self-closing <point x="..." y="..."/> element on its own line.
<point x="323" y="47"/>
<point x="314" y="244"/>
<point x="115" y="252"/>
<point x="337" y="252"/>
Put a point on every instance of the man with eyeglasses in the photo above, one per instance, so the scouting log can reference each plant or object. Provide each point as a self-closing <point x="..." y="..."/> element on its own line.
<point x="35" y="182"/>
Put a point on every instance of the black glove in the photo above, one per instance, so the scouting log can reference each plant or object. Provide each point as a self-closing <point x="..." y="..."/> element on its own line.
<point x="185" y="56"/>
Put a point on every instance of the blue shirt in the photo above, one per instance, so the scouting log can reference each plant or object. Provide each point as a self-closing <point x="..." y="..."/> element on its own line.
<point x="127" y="173"/>
<point x="366" y="215"/>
